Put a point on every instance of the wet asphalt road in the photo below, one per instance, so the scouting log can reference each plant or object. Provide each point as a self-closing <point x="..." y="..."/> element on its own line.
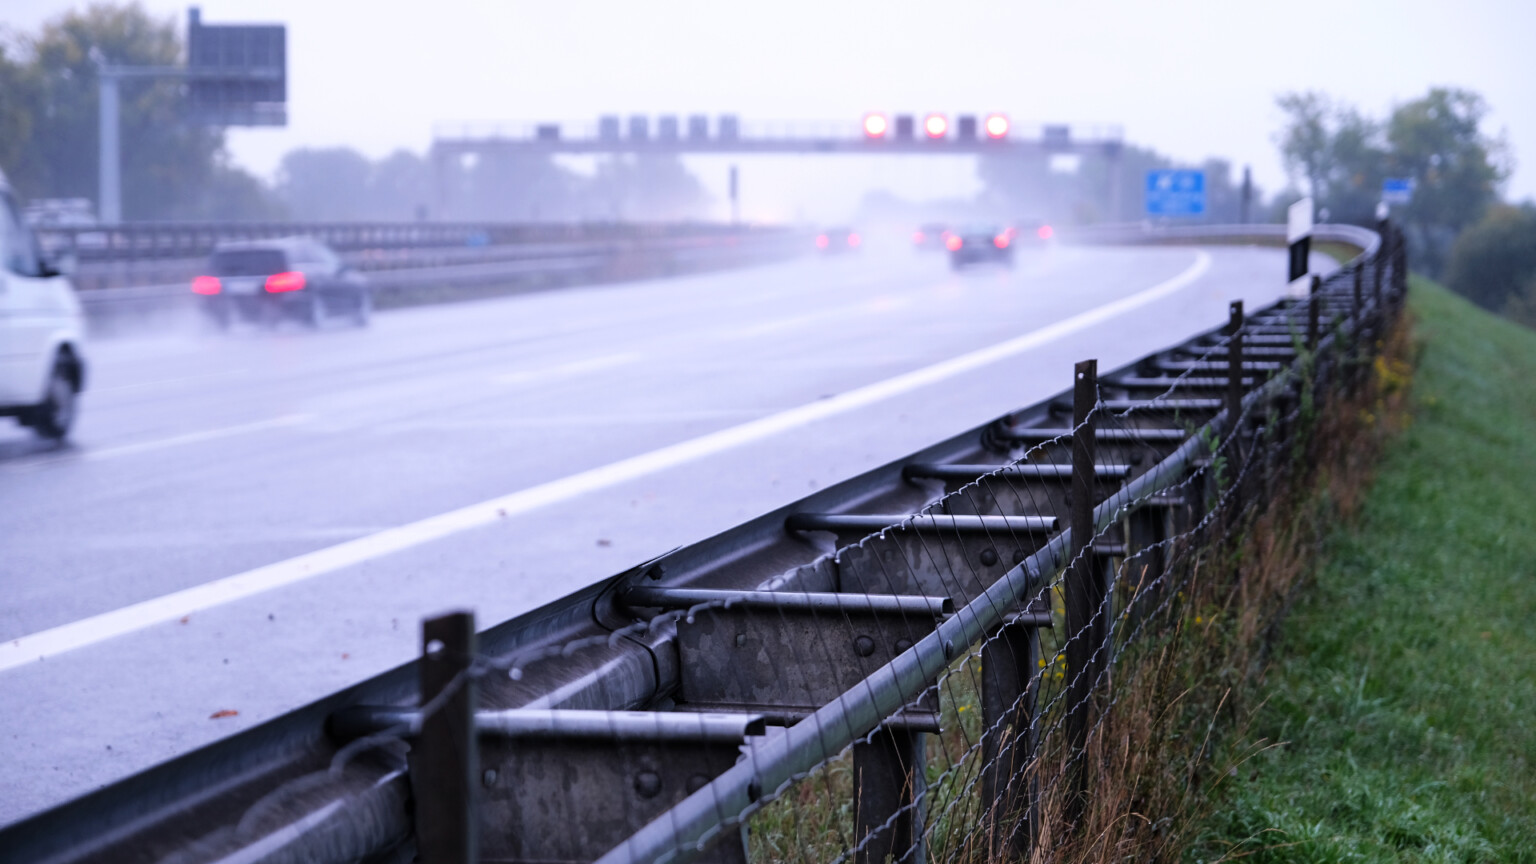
<point x="295" y="457"/>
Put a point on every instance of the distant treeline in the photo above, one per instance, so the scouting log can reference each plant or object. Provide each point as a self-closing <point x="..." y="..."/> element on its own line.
<point x="173" y="169"/>
<point x="1458" y="227"/>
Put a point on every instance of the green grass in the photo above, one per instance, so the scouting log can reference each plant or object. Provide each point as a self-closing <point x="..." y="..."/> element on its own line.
<point x="1404" y="686"/>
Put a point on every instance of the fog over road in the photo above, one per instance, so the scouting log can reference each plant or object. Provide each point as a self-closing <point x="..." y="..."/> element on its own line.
<point x="340" y="474"/>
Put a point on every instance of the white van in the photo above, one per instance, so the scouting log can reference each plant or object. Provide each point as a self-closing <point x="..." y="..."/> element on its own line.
<point x="42" y="364"/>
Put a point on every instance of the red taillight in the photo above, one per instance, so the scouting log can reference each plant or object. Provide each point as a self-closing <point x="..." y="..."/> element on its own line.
<point x="854" y="240"/>
<point x="1045" y="232"/>
<point x="279" y="283"/>
<point x="997" y="126"/>
<point x="953" y="242"/>
<point x="821" y="241"/>
<point x="936" y="125"/>
<point x="918" y="237"/>
<point x="1000" y="241"/>
<point x="206" y="285"/>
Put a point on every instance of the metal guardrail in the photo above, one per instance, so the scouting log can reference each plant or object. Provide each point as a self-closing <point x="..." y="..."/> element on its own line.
<point x="159" y="289"/>
<point x="1368" y="241"/>
<point x="815" y="635"/>
<point x="134" y="241"/>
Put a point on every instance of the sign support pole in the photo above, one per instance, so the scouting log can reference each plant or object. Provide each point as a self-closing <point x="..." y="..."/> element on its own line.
<point x="109" y="165"/>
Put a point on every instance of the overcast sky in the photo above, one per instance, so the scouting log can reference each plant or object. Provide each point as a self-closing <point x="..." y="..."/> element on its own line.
<point x="1191" y="78"/>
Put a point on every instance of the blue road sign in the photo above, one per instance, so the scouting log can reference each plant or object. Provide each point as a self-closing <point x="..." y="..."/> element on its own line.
<point x="1397" y="190"/>
<point x="1175" y="193"/>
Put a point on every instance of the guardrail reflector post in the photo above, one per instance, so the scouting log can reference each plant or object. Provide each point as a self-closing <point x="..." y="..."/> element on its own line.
<point x="1084" y="588"/>
<point x="444" y="757"/>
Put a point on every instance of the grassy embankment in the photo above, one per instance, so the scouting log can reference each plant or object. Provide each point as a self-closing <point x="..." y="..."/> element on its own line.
<point x="1400" y="702"/>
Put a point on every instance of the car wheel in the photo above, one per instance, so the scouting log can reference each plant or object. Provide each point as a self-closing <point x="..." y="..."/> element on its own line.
<point x="314" y="313"/>
<point x="56" y="414"/>
<point x="218" y="316"/>
<point x="364" y="310"/>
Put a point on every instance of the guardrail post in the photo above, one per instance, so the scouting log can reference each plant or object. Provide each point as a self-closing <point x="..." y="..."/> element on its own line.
<point x="1377" y="295"/>
<point x="1234" y="400"/>
<point x="1400" y="263"/>
<point x="1317" y="285"/>
<point x="1007" y="712"/>
<point x="445" y="756"/>
<point x="889" y="776"/>
<point x="1084" y="588"/>
<point x="1356" y="329"/>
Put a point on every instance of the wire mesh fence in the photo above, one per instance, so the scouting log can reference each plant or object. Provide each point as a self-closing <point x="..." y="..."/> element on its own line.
<point x="971" y="678"/>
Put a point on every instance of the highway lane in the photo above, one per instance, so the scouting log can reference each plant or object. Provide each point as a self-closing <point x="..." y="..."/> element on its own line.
<point x="200" y="457"/>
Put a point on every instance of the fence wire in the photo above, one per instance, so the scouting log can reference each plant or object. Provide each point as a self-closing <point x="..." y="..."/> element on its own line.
<point x="992" y="752"/>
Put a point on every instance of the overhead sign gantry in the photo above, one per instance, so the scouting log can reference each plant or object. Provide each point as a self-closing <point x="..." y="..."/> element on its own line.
<point x="932" y="134"/>
<point x="236" y="74"/>
<point x="877" y="132"/>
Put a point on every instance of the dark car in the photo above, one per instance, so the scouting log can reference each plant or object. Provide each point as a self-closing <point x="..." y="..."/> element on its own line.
<point x="834" y="240"/>
<point x="979" y="243"/>
<point x="1031" y="232"/>
<point x="265" y="281"/>
<point x="930" y="236"/>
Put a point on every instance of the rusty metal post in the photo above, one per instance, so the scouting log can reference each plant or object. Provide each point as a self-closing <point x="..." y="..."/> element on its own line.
<point x="1234" y="401"/>
<point x="444" y="758"/>
<point x="889" y="780"/>
<point x="1376" y="294"/>
<point x="1317" y="285"/>
<point x="1084" y="587"/>
<point x="1357" y="335"/>
<point x="1008" y="664"/>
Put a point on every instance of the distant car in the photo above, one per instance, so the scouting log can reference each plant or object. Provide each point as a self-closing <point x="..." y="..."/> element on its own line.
<point x="930" y="236"/>
<point x="979" y="243"/>
<point x="835" y="240"/>
<point x="42" y="363"/>
<point x="265" y="281"/>
<point x="1031" y="232"/>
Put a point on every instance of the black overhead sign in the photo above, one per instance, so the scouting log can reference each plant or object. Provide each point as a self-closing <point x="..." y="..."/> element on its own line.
<point x="237" y="73"/>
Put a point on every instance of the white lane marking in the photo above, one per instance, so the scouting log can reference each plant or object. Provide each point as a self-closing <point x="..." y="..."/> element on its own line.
<point x="575" y="367"/>
<point x="171" y="607"/>
<point x="91" y="455"/>
<point x="553" y="420"/>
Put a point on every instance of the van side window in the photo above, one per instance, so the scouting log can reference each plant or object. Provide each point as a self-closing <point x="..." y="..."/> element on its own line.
<point x="18" y="251"/>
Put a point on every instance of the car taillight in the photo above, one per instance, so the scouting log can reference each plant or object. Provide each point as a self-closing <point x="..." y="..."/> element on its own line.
<point x="1000" y="241"/>
<point x="854" y="240"/>
<point x="206" y="285"/>
<point x="279" y="283"/>
<point x="918" y="237"/>
<point x="1045" y="232"/>
<point x="821" y="241"/>
<point x="953" y="242"/>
